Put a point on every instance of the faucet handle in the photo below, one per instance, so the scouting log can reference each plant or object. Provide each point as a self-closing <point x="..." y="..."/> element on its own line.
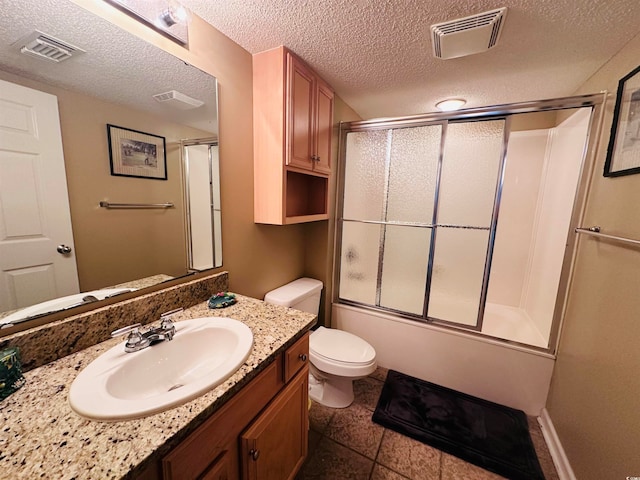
<point x="135" y="341"/>
<point x="128" y="329"/>
<point x="166" y="325"/>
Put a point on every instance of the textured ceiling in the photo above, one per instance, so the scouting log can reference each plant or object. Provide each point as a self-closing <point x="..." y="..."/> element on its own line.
<point x="117" y="67"/>
<point x="377" y="53"/>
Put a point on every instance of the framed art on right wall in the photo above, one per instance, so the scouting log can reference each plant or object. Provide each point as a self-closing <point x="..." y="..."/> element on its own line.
<point x="623" y="155"/>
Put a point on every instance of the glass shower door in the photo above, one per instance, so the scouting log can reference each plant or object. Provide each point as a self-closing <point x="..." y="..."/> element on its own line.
<point x="388" y="201"/>
<point x="418" y="216"/>
<point x="469" y="183"/>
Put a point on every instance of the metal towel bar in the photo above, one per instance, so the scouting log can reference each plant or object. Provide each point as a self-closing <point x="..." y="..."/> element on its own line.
<point x="136" y="205"/>
<point x="595" y="232"/>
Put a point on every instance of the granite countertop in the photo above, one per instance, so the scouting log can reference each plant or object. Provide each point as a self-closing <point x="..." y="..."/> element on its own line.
<point x="41" y="437"/>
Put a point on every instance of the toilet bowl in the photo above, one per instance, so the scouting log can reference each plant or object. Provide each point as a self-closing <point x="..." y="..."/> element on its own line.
<point x="337" y="358"/>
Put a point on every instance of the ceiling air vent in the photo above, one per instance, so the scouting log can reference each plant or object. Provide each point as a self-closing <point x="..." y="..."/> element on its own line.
<point x="178" y="100"/>
<point x="46" y="47"/>
<point x="469" y="35"/>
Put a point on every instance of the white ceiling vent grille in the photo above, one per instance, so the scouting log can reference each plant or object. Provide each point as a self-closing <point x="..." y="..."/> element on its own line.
<point x="178" y="100"/>
<point x="469" y="35"/>
<point x="46" y="47"/>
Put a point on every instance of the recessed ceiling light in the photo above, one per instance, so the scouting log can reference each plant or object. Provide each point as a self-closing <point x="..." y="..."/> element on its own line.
<point x="450" y="104"/>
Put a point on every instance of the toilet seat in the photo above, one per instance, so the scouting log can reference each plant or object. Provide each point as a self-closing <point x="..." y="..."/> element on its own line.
<point x="341" y="353"/>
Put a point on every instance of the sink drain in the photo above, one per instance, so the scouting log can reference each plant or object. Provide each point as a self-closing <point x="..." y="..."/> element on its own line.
<point x="175" y="386"/>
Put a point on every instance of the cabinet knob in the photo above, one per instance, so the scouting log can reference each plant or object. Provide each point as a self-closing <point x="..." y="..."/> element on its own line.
<point x="303" y="357"/>
<point x="255" y="454"/>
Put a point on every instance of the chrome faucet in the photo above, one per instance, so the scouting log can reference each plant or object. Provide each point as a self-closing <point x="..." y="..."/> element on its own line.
<point x="138" y="340"/>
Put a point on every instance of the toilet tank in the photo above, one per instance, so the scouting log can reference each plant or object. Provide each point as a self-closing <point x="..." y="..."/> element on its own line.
<point x="301" y="294"/>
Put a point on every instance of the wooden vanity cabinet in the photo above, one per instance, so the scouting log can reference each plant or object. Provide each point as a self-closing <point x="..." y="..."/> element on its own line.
<point x="293" y="120"/>
<point x="261" y="433"/>
<point x="275" y="445"/>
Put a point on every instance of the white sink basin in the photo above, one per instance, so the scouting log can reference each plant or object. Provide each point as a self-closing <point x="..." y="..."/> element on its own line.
<point x="119" y="386"/>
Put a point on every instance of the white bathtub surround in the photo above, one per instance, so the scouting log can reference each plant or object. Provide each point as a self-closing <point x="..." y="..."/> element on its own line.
<point x="543" y="165"/>
<point x="560" y="460"/>
<point x="498" y="372"/>
<point x="512" y="323"/>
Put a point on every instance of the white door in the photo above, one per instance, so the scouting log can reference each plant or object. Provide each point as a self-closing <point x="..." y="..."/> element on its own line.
<point x="34" y="204"/>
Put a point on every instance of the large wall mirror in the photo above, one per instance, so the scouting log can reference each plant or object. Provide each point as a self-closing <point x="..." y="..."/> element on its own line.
<point x="110" y="78"/>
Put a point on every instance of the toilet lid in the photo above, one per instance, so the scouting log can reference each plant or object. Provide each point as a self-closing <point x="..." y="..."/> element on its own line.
<point x="341" y="346"/>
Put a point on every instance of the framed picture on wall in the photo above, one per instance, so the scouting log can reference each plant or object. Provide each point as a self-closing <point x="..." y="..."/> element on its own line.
<point x="136" y="154"/>
<point x="623" y="155"/>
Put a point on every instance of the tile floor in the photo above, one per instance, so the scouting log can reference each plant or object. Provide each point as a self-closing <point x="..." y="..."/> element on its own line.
<point x="345" y="444"/>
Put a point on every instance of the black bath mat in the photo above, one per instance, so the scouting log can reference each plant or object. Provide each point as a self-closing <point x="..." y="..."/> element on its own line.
<point x="484" y="433"/>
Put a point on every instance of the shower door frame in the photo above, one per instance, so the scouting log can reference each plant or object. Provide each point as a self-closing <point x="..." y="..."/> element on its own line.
<point x="594" y="101"/>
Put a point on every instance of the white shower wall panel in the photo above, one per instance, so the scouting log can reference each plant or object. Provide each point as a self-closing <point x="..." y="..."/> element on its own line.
<point x="500" y="373"/>
<point x="560" y="179"/>
<point x="515" y="232"/>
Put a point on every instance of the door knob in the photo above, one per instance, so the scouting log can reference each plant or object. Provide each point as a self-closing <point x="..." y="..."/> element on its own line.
<point x="254" y="453"/>
<point x="64" y="249"/>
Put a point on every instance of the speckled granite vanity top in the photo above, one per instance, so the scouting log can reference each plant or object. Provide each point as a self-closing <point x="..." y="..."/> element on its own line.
<point x="41" y="437"/>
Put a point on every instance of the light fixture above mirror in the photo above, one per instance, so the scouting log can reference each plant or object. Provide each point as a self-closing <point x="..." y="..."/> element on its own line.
<point x="168" y="17"/>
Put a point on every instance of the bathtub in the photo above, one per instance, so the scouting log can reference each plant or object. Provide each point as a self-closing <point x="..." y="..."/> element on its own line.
<point x="500" y="372"/>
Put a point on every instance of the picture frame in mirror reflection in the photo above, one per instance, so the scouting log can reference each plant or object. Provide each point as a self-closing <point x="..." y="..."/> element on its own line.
<point x="136" y="154"/>
<point x="623" y="154"/>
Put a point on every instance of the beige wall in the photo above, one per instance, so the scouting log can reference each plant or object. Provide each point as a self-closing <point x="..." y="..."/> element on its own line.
<point x="258" y="257"/>
<point x="318" y="236"/>
<point x="116" y="246"/>
<point x="593" y="401"/>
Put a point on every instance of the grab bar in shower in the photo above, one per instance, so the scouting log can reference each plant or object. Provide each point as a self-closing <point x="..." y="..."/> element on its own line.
<point x="595" y="232"/>
<point x="136" y="205"/>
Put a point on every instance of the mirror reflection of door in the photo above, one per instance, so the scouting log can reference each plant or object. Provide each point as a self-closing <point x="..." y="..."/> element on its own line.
<point x="202" y="199"/>
<point x="34" y="213"/>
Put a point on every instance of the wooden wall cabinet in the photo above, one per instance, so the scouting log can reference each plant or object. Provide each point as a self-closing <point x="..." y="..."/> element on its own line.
<point x="261" y="433"/>
<point x="292" y="127"/>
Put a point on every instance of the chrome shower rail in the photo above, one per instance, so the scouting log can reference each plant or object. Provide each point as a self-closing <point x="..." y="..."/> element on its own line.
<point x="595" y="232"/>
<point x="136" y="205"/>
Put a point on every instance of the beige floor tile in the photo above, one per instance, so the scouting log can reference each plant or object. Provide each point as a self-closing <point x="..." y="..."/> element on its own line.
<point x="353" y="428"/>
<point x="454" y="468"/>
<point x="409" y="457"/>
<point x="380" y="374"/>
<point x="383" y="473"/>
<point x="540" y="445"/>
<point x="332" y="461"/>
<point x="367" y="392"/>
<point x="314" y="440"/>
<point x="319" y="417"/>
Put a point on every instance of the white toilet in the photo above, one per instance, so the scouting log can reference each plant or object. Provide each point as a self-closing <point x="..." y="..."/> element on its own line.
<point x="337" y="357"/>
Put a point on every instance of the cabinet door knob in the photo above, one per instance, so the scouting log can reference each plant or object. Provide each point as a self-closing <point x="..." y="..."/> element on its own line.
<point x="255" y="454"/>
<point x="303" y="357"/>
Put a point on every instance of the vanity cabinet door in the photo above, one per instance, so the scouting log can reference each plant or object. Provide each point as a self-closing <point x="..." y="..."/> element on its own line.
<point x="275" y="445"/>
<point x="221" y="469"/>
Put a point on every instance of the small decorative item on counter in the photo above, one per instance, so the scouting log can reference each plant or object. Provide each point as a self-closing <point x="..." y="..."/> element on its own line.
<point x="11" y="378"/>
<point x="222" y="300"/>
